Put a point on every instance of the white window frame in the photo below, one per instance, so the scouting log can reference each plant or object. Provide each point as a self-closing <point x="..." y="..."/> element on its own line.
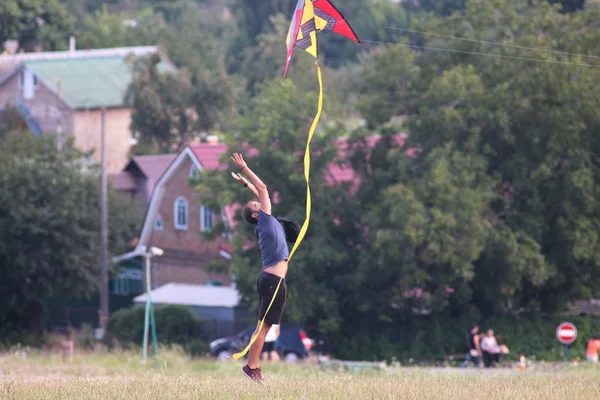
<point x="193" y="171"/>
<point x="21" y="79"/>
<point x="159" y="224"/>
<point x="203" y="226"/>
<point x="183" y="227"/>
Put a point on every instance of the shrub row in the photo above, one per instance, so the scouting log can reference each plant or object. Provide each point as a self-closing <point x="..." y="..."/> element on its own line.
<point x="174" y="325"/>
<point x="436" y="337"/>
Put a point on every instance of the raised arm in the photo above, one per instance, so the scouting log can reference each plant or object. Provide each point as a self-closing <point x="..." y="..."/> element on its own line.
<point x="261" y="189"/>
<point x="245" y="182"/>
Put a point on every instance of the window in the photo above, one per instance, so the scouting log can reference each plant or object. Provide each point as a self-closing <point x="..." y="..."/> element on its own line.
<point x="25" y="75"/>
<point x="180" y="213"/>
<point x="159" y="224"/>
<point x="207" y="219"/>
<point x="193" y="171"/>
<point x="28" y="81"/>
<point x="128" y="282"/>
<point x="212" y="282"/>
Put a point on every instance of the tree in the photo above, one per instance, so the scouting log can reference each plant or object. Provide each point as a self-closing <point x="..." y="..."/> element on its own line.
<point x="533" y="125"/>
<point x="105" y="30"/>
<point x="50" y="219"/>
<point x="11" y="120"/>
<point x="172" y="108"/>
<point x="44" y="23"/>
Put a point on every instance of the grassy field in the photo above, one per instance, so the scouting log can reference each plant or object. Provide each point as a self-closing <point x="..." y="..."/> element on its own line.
<point x="121" y="376"/>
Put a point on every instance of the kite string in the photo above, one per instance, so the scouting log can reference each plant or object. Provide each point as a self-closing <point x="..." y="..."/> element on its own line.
<point x="482" y="54"/>
<point x="304" y="228"/>
<point x="514" y="46"/>
<point x="484" y="42"/>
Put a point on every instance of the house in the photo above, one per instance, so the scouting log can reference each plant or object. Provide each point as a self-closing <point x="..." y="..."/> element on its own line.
<point x="175" y="218"/>
<point x="218" y="307"/>
<point x="140" y="175"/>
<point x="63" y="93"/>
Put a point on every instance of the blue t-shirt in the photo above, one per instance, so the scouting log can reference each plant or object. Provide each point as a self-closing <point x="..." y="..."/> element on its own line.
<point x="271" y="239"/>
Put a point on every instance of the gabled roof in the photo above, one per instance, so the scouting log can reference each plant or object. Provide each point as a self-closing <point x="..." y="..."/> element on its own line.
<point x="123" y="181"/>
<point x="159" y="192"/>
<point x="193" y="295"/>
<point x="151" y="167"/>
<point x="208" y="154"/>
<point x="84" y="78"/>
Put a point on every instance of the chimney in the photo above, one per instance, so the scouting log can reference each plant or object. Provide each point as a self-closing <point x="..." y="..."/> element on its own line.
<point x="212" y="139"/>
<point x="72" y="43"/>
<point x="10" y="46"/>
<point x="59" y="89"/>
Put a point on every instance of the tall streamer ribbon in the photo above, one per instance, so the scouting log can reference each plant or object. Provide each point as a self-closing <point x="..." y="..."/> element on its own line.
<point x="304" y="228"/>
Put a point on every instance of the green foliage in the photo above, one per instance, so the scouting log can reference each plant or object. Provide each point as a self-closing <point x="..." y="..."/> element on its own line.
<point x="436" y="337"/>
<point x="531" y="134"/>
<point x="174" y="325"/>
<point x="49" y="214"/>
<point x="11" y="120"/>
<point x="44" y="23"/>
<point x="172" y="108"/>
<point x="105" y="30"/>
<point x="197" y="348"/>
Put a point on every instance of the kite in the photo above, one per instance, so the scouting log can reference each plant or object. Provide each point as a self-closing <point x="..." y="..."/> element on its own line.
<point x="310" y="17"/>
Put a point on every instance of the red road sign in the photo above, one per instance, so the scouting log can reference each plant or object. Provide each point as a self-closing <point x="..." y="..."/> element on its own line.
<point x="566" y="333"/>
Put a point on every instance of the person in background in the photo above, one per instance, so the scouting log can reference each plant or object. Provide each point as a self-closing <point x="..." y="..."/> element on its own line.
<point x="490" y="349"/>
<point x="269" y="347"/>
<point x="473" y="348"/>
<point x="592" y="349"/>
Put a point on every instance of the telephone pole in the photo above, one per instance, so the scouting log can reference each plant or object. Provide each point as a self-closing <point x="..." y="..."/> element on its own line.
<point x="104" y="313"/>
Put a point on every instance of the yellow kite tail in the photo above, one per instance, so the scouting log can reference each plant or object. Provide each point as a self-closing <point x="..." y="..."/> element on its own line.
<point x="304" y="228"/>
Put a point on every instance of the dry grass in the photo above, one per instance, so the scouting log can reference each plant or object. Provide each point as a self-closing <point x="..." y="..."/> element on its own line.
<point x="121" y="376"/>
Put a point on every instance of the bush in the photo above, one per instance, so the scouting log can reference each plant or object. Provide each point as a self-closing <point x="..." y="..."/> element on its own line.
<point x="197" y="348"/>
<point x="174" y="325"/>
<point x="435" y="337"/>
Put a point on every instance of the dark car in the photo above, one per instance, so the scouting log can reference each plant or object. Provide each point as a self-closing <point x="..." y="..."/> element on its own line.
<point x="293" y="344"/>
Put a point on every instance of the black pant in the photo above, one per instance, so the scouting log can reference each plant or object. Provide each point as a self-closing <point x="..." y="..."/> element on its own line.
<point x="265" y="286"/>
<point x="268" y="347"/>
<point x="490" y="359"/>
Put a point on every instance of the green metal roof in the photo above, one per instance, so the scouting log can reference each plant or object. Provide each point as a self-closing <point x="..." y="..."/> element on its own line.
<point x="87" y="82"/>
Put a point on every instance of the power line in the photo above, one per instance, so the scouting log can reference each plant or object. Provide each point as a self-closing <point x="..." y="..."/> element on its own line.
<point x="514" y="46"/>
<point x="484" y="54"/>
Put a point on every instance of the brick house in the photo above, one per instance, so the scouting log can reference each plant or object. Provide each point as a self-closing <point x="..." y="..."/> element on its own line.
<point x="140" y="175"/>
<point x="62" y="93"/>
<point x="175" y="218"/>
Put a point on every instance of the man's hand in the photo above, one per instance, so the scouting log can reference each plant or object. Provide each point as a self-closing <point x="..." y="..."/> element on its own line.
<point x="239" y="160"/>
<point x="238" y="177"/>
<point x="257" y="186"/>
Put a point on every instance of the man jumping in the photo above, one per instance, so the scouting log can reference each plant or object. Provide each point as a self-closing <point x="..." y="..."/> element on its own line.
<point x="274" y="251"/>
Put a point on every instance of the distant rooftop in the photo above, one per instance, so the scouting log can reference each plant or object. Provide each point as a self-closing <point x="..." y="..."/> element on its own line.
<point x="84" y="78"/>
<point x="193" y="295"/>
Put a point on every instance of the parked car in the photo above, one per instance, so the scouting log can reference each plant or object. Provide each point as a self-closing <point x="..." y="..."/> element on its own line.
<point x="293" y="344"/>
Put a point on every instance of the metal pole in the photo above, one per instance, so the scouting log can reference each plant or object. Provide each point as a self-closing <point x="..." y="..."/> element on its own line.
<point x="104" y="311"/>
<point x="153" y="326"/>
<point x="147" y="314"/>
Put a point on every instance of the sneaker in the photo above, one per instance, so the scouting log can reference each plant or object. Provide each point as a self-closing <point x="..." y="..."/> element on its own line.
<point x="254" y="374"/>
